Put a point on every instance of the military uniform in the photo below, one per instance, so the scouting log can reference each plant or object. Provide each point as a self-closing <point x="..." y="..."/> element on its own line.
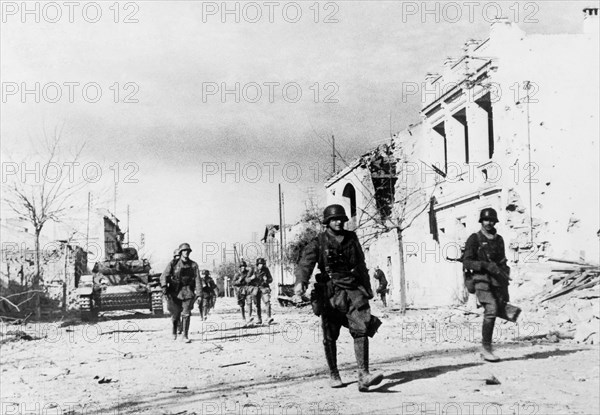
<point x="179" y="282"/>
<point x="207" y="296"/>
<point x="383" y="283"/>
<point x="263" y="292"/>
<point x="485" y="257"/>
<point x="344" y="289"/>
<point x="240" y="281"/>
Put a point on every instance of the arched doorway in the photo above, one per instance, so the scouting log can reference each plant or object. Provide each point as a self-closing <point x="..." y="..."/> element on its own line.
<point x="350" y="193"/>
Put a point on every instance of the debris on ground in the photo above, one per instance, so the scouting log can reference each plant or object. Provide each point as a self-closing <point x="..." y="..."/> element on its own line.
<point x="492" y="381"/>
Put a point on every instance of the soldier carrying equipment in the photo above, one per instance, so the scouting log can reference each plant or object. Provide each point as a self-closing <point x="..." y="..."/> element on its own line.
<point x="383" y="283"/>
<point x="486" y="271"/>
<point x="208" y="294"/>
<point x="341" y="294"/>
<point x="263" y="293"/>
<point x="241" y="281"/>
<point x="179" y="282"/>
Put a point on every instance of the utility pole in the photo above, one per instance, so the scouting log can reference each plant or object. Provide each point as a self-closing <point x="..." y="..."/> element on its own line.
<point x="333" y="172"/>
<point x="527" y="88"/>
<point x="127" y="225"/>
<point x="281" y="233"/>
<point x="283" y="218"/>
<point x="87" y="231"/>
<point x="115" y="204"/>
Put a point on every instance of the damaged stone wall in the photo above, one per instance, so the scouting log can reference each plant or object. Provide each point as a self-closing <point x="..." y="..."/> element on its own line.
<point x="61" y="267"/>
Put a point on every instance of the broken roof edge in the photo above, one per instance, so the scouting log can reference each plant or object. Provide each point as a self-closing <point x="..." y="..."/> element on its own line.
<point x="359" y="160"/>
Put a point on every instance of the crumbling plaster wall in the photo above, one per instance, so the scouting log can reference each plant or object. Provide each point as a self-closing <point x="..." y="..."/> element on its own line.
<point x="563" y="132"/>
<point x="564" y="136"/>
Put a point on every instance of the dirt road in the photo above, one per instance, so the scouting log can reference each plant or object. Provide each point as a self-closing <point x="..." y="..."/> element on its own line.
<point x="128" y="364"/>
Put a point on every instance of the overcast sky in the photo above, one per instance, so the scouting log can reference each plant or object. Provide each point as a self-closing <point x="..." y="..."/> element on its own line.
<point x="179" y="137"/>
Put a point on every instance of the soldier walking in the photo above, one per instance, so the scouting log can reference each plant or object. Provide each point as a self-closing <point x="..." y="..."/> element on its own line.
<point x="207" y="295"/>
<point x="263" y="296"/>
<point x="382" y="286"/>
<point x="179" y="282"/>
<point x="240" y="281"/>
<point x="485" y="257"/>
<point x="341" y="295"/>
<point x="176" y="257"/>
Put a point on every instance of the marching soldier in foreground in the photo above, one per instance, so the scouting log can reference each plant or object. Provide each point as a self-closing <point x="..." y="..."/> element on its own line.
<point x="485" y="257"/>
<point x="264" y="278"/>
<point x="241" y="283"/>
<point x="207" y="295"/>
<point x="383" y="283"/>
<point x="176" y="257"/>
<point x="179" y="282"/>
<point x="341" y="294"/>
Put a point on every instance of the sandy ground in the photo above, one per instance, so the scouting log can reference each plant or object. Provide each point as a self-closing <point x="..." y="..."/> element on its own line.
<point x="127" y="363"/>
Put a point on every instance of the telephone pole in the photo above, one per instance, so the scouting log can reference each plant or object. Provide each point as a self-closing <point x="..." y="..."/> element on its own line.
<point x="127" y="225"/>
<point x="333" y="154"/>
<point x="280" y="233"/>
<point x="87" y="231"/>
<point x="115" y="204"/>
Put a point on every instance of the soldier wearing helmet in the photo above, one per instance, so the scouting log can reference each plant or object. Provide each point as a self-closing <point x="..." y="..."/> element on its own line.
<point x="383" y="283"/>
<point x="263" y="290"/>
<point x="208" y="294"/>
<point x="485" y="257"/>
<point x="241" y="281"/>
<point x="341" y="294"/>
<point x="179" y="282"/>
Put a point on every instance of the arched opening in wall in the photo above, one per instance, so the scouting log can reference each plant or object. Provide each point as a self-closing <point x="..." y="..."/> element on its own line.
<point x="350" y="193"/>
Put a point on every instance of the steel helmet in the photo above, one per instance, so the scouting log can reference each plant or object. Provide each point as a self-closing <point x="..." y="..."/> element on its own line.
<point x="205" y="272"/>
<point x="176" y="252"/>
<point x="488" y="214"/>
<point x="261" y="261"/>
<point x="185" y="247"/>
<point x="333" y="212"/>
<point x="243" y="264"/>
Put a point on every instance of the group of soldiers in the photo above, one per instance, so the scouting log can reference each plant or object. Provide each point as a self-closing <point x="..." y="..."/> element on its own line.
<point x="342" y="290"/>
<point x="182" y="284"/>
<point x="253" y="287"/>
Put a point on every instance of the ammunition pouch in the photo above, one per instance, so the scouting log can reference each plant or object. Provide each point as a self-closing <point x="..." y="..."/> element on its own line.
<point x="320" y="294"/>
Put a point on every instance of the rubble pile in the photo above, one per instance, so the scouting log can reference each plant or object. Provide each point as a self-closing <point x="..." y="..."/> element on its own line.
<point x="570" y="305"/>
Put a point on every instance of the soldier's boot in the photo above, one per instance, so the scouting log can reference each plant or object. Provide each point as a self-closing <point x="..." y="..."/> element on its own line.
<point x="186" y="329"/>
<point x="487" y="332"/>
<point x="243" y="308"/>
<point x="365" y="378"/>
<point x="487" y="353"/>
<point x="205" y="311"/>
<point x="384" y="302"/>
<point x="250" y="318"/>
<point x="174" y="324"/>
<point x="201" y="309"/>
<point x="258" y="314"/>
<point x="180" y="325"/>
<point x="331" y="355"/>
<point x="270" y="319"/>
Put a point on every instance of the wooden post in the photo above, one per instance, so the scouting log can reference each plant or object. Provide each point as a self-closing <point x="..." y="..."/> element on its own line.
<point x="280" y="238"/>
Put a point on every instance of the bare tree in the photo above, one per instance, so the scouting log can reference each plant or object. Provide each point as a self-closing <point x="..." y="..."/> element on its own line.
<point x="394" y="208"/>
<point x="394" y="203"/>
<point x="46" y="199"/>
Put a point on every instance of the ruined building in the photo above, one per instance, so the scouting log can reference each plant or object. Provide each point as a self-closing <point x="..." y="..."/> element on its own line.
<point x="511" y="124"/>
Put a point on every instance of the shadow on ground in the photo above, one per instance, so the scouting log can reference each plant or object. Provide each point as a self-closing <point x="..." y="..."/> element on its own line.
<point x="214" y="394"/>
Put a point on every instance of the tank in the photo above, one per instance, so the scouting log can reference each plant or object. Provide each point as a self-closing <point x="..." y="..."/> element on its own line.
<point x="123" y="282"/>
